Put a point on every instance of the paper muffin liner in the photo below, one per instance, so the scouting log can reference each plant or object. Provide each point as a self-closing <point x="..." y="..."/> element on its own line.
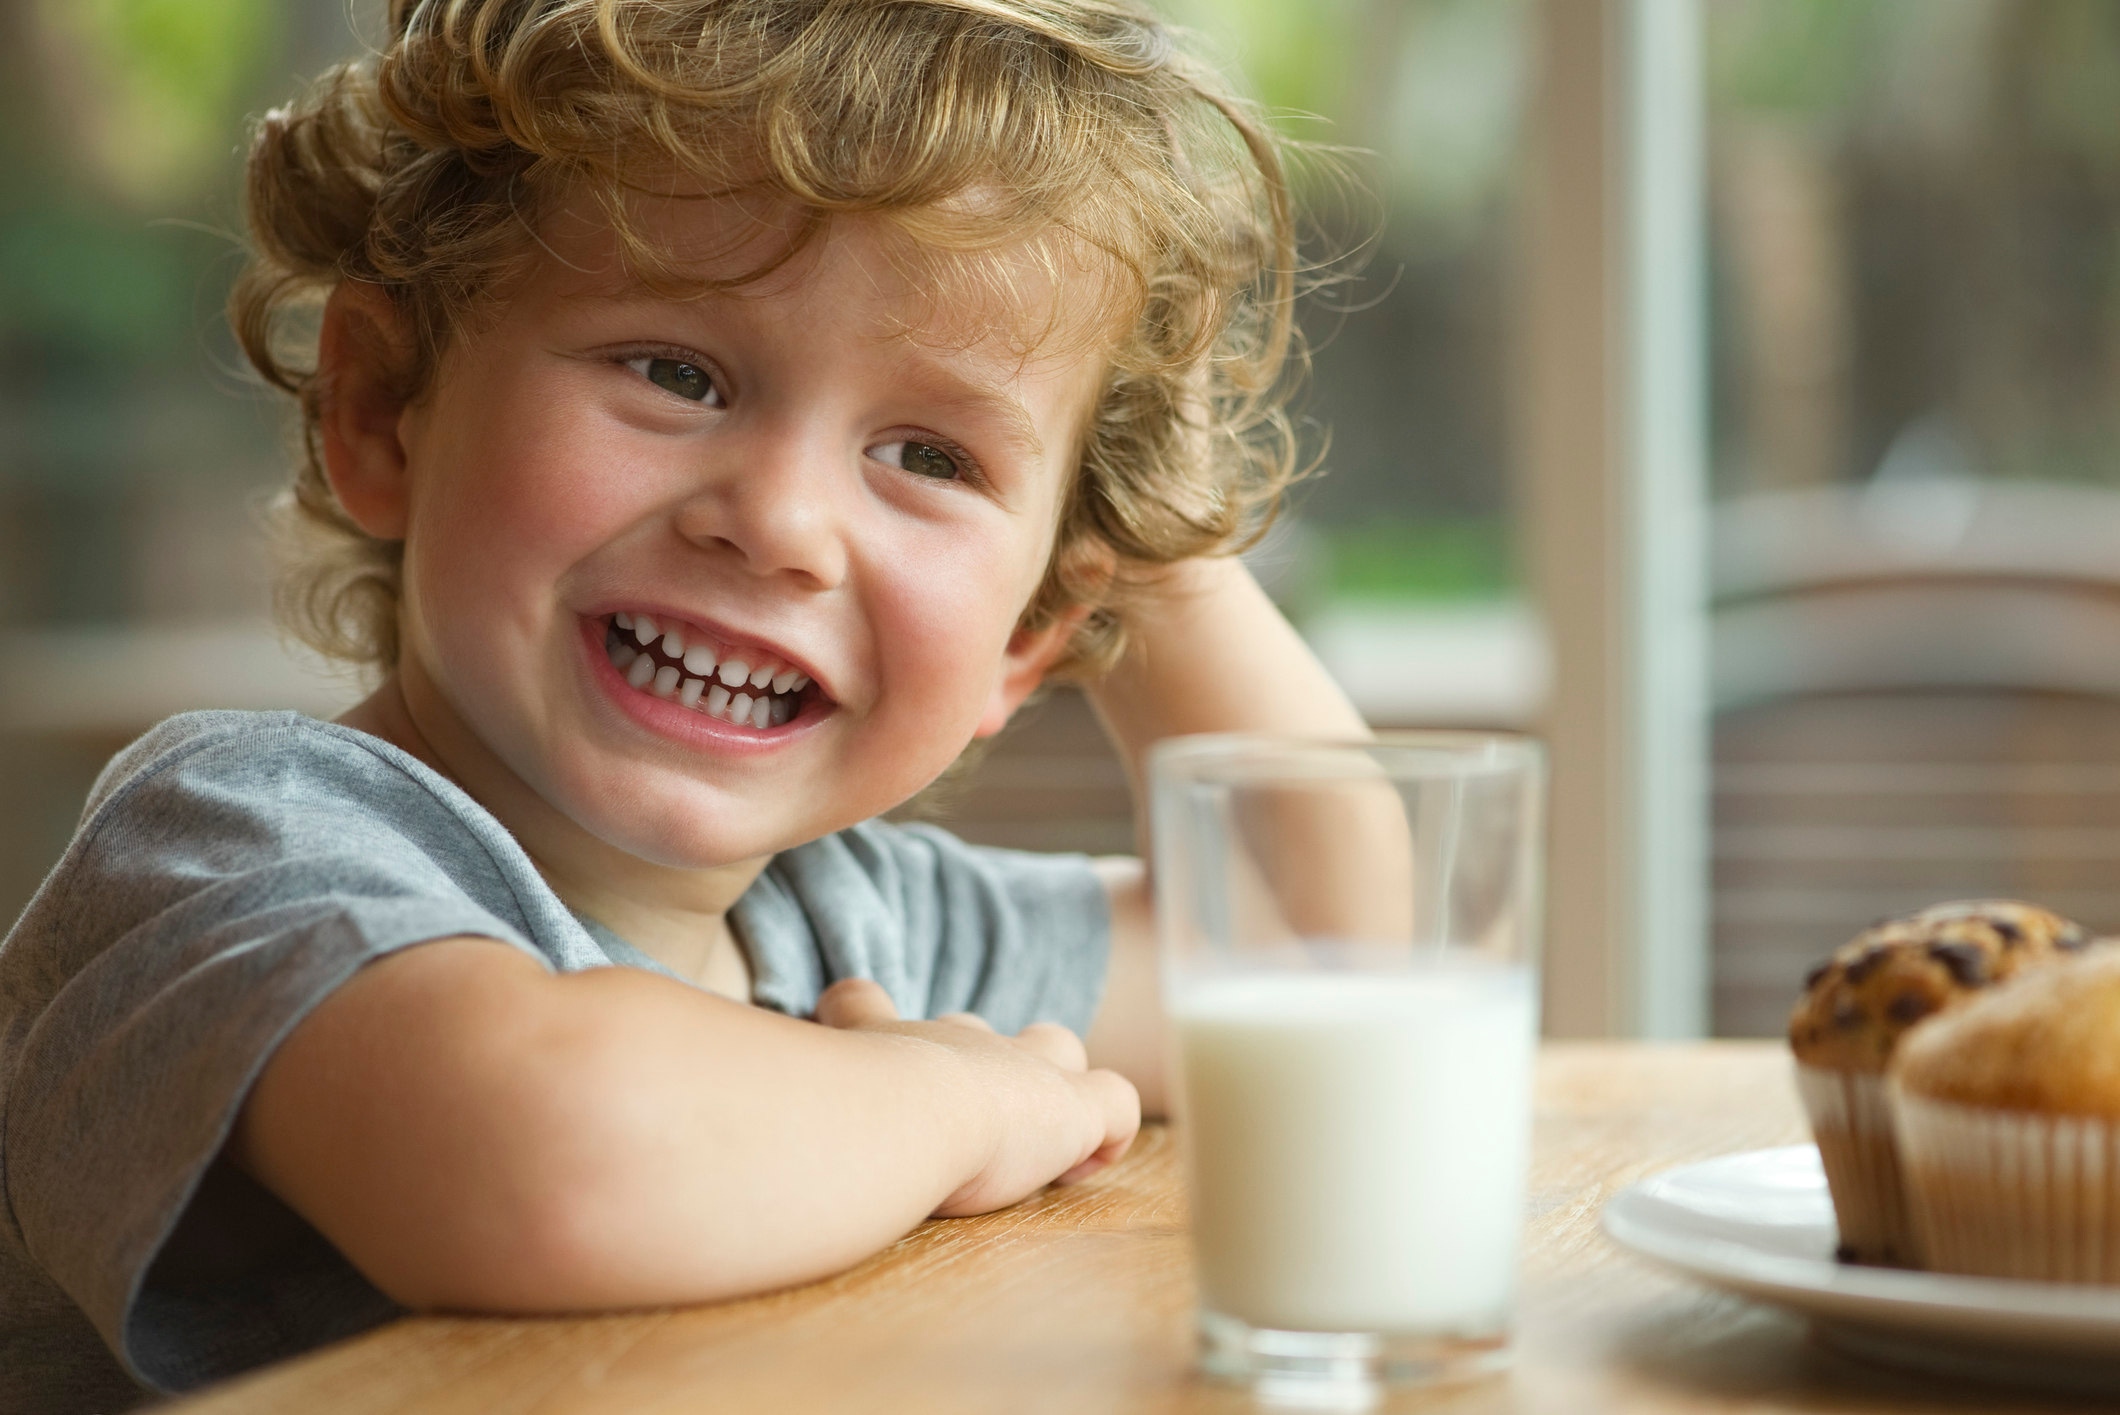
<point x="2002" y="1193"/>
<point x="1851" y="1118"/>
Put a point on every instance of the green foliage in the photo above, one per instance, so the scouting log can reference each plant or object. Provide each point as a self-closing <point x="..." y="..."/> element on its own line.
<point x="1420" y="560"/>
<point x="1294" y="56"/>
<point x="146" y="99"/>
<point x="1798" y="57"/>
<point x="109" y="287"/>
<point x="2076" y="49"/>
<point x="165" y="79"/>
<point x="1415" y="103"/>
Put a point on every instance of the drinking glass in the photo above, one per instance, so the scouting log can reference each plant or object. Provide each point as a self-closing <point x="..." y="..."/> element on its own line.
<point x="1349" y="937"/>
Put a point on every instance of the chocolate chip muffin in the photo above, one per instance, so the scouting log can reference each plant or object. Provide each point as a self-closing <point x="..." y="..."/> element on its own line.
<point x="1857" y="1003"/>
<point x="2008" y="1111"/>
<point x="1856" y="1006"/>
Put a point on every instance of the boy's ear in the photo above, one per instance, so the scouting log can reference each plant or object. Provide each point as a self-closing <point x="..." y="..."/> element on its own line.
<point x="1030" y="652"/>
<point x="362" y="356"/>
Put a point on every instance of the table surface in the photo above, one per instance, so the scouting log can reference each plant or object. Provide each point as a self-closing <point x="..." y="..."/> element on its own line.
<point x="1080" y="1301"/>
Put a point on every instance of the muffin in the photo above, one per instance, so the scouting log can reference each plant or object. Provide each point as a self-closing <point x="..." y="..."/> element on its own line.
<point x="1857" y="1005"/>
<point x="2009" y="1127"/>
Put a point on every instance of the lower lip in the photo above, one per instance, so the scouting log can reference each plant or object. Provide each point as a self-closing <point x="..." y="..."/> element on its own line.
<point x="667" y="718"/>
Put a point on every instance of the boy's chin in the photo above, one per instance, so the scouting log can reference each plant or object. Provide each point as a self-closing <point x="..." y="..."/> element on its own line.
<point x="679" y="823"/>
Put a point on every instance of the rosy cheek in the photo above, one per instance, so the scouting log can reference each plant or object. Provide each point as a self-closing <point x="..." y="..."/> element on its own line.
<point x="533" y="480"/>
<point x="953" y="620"/>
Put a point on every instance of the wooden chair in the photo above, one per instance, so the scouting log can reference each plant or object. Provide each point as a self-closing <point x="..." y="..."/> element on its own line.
<point x="1917" y="687"/>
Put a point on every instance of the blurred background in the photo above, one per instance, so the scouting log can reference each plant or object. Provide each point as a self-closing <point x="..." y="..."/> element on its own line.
<point x="1892" y="501"/>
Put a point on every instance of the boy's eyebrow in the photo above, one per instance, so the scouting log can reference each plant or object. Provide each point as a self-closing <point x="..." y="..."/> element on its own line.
<point x="1015" y="426"/>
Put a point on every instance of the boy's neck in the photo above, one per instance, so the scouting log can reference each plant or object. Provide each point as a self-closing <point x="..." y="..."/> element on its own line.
<point x="676" y="916"/>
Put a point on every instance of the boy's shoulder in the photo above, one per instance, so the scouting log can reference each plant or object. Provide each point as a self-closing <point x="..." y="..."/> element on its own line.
<point x="216" y="825"/>
<point x="205" y="784"/>
<point x="281" y="755"/>
<point x="231" y="870"/>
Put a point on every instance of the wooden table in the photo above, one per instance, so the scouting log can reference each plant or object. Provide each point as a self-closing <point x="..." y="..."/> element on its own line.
<point x="1080" y="1301"/>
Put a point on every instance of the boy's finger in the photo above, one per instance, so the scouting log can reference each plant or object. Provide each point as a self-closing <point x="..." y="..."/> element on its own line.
<point x="1121" y="1106"/>
<point x="1054" y="1043"/>
<point x="967" y="1019"/>
<point x="855" y="1002"/>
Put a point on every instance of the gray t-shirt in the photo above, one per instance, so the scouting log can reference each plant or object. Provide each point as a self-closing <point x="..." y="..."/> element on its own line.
<point x="231" y="870"/>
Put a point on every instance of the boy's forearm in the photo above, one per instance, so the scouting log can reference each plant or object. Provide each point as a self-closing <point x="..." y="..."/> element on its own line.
<point x="605" y="1139"/>
<point x="1211" y="653"/>
<point x="774" y="1151"/>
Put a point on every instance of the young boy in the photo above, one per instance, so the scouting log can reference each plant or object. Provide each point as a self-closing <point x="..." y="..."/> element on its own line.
<point x="722" y="412"/>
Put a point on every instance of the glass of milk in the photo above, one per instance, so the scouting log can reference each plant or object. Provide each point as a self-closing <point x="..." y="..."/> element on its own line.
<point x="1349" y="939"/>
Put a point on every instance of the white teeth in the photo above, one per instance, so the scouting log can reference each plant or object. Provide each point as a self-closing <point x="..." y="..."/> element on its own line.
<point x="695" y="684"/>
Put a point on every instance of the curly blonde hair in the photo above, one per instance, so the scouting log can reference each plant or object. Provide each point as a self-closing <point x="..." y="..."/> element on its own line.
<point x="425" y="170"/>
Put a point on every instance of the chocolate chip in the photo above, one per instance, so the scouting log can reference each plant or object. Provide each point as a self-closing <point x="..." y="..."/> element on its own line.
<point x="1966" y="961"/>
<point x="2010" y="933"/>
<point x="1846" y="1015"/>
<point x="1810" y="979"/>
<point x="1909" y="1007"/>
<point x="1867" y="962"/>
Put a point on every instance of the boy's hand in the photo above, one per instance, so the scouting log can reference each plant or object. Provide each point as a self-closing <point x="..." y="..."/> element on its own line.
<point x="1051" y="1118"/>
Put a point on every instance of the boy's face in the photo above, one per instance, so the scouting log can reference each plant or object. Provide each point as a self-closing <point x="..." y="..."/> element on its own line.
<point x="784" y="478"/>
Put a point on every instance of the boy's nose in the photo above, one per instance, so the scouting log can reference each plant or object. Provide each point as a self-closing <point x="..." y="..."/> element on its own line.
<point x="776" y="503"/>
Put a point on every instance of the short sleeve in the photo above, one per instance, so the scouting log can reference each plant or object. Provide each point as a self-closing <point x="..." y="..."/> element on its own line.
<point x="209" y="902"/>
<point x="944" y="926"/>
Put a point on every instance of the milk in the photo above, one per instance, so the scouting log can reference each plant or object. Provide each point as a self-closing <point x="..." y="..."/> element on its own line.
<point x="1358" y="1145"/>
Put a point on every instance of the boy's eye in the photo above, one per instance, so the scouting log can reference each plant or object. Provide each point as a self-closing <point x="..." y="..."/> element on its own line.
<point x="920" y="458"/>
<point x="675" y="376"/>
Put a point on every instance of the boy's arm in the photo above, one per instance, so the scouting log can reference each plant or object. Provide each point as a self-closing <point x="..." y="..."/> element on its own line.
<point x="1209" y="653"/>
<point x="475" y="1132"/>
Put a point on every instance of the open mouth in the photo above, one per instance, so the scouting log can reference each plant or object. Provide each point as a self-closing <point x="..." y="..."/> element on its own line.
<point x="680" y="663"/>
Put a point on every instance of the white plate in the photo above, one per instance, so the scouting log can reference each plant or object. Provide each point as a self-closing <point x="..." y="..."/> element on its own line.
<point x="1761" y="1224"/>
